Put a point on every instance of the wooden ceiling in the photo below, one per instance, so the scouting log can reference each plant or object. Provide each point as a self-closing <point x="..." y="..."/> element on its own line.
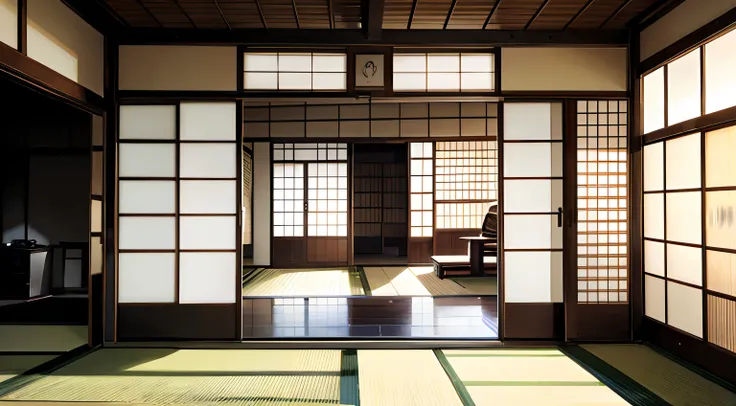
<point x="397" y="14"/>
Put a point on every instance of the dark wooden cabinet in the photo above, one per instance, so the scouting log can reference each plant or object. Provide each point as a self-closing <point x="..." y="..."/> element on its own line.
<point x="23" y="273"/>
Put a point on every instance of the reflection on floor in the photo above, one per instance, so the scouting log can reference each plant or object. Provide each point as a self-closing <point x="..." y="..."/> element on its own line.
<point x="361" y="281"/>
<point x="502" y="376"/>
<point x="425" y="317"/>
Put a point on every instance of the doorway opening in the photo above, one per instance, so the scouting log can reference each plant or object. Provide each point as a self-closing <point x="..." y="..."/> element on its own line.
<point x="381" y="204"/>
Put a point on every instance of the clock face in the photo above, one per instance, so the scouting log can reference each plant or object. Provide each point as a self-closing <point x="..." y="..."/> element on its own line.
<point x="369" y="70"/>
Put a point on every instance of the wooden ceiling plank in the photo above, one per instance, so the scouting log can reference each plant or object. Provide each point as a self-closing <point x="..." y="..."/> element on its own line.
<point x="296" y="14"/>
<point x="579" y="13"/>
<point x="536" y="15"/>
<point x="331" y="12"/>
<point x="490" y="15"/>
<point x="260" y="13"/>
<point x="219" y="9"/>
<point x="186" y="14"/>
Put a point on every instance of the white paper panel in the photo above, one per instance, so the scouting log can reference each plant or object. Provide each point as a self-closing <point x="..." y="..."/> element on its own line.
<point x="295" y="81"/>
<point x="654" y="216"/>
<point x="683" y="88"/>
<point x="147" y="196"/>
<point x="720" y="229"/>
<point x="410" y="63"/>
<point x="262" y="203"/>
<point x="296" y="62"/>
<point x="414" y="128"/>
<point x="476" y="81"/>
<point x="147" y="160"/>
<point x="532" y="160"/>
<point x="96" y="216"/>
<point x="9" y="23"/>
<point x="329" y="62"/>
<point x="287" y="130"/>
<point x="720" y="82"/>
<point x="683" y="162"/>
<point x="355" y="129"/>
<point x="260" y="81"/>
<point x="685" y="308"/>
<point x="654" y="101"/>
<point x="207" y="277"/>
<point x="147" y="233"/>
<point x="322" y="129"/>
<point x="443" y="81"/>
<point x="533" y="231"/>
<point x="533" y="277"/>
<point x="146" y="278"/>
<point x="329" y="81"/>
<point x="147" y="122"/>
<point x="208" y="197"/>
<point x="207" y="233"/>
<point x="96" y="256"/>
<point x="473" y="127"/>
<point x="444" y="128"/>
<point x="410" y="81"/>
<point x="654" y="258"/>
<point x="476" y="62"/>
<point x="720" y="167"/>
<point x="208" y="121"/>
<point x="532" y="196"/>
<point x="527" y="121"/>
<point x="684" y="217"/>
<point x="685" y="264"/>
<point x="654" y="302"/>
<point x="385" y="128"/>
<point x="208" y="160"/>
<point x="654" y="167"/>
<point x="260" y="62"/>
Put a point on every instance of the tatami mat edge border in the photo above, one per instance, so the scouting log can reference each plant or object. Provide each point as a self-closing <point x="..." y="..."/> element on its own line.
<point x="460" y="388"/>
<point x="364" y="281"/>
<point x="623" y="385"/>
<point x="46" y="368"/>
<point x="349" y="384"/>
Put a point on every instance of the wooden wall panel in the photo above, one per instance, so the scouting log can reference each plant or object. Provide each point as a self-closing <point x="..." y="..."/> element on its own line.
<point x="529" y="321"/>
<point x="420" y="250"/>
<point x="448" y="242"/>
<point x="151" y="322"/>
<point x="327" y="250"/>
<point x="722" y="322"/>
<point x="288" y="252"/>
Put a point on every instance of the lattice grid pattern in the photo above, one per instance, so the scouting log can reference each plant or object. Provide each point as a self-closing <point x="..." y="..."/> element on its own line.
<point x="421" y="199"/>
<point x="288" y="200"/>
<point x="602" y="201"/>
<point x="328" y="200"/>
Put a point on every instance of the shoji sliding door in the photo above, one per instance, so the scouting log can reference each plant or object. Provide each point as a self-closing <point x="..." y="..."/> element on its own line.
<point x="532" y="216"/>
<point x="310" y="204"/>
<point x="178" y="236"/>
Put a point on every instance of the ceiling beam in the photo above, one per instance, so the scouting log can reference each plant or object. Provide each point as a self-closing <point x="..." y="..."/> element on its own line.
<point x="260" y="14"/>
<point x="331" y="11"/>
<point x="411" y="14"/>
<point x="217" y="4"/>
<point x="490" y="15"/>
<point x="98" y="14"/>
<point x="449" y="14"/>
<point x="534" y="17"/>
<point x="296" y="14"/>
<point x="349" y="37"/>
<point x="372" y="18"/>
<point x="579" y="13"/>
<point x="178" y="4"/>
<point x="615" y="13"/>
<point x="653" y="13"/>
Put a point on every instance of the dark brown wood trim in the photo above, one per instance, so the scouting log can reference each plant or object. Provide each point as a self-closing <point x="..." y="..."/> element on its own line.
<point x="709" y="122"/>
<point x="653" y="13"/>
<point x="533" y="321"/>
<point x="146" y="322"/>
<point x="500" y="270"/>
<point x="41" y="78"/>
<point x="23" y="27"/>
<point x="716" y="360"/>
<point x="239" y="151"/>
<point x="691" y="41"/>
<point x="565" y="94"/>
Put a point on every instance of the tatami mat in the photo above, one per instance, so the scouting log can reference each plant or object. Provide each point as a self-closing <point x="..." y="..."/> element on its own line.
<point x="421" y="281"/>
<point x="404" y="378"/>
<point x="193" y="377"/>
<point x="304" y="282"/>
<point x="527" y="377"/>
<point x="12" y="365"/>
<point x="667" y="379"/>
<point x="46" y="338"/>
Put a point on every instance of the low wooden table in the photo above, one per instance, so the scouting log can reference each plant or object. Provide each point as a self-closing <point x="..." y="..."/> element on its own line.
<point x="477" y="246"/>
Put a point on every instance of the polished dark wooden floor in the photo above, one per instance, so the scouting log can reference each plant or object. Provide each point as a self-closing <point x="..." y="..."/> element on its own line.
<point x="370" y="317"/>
